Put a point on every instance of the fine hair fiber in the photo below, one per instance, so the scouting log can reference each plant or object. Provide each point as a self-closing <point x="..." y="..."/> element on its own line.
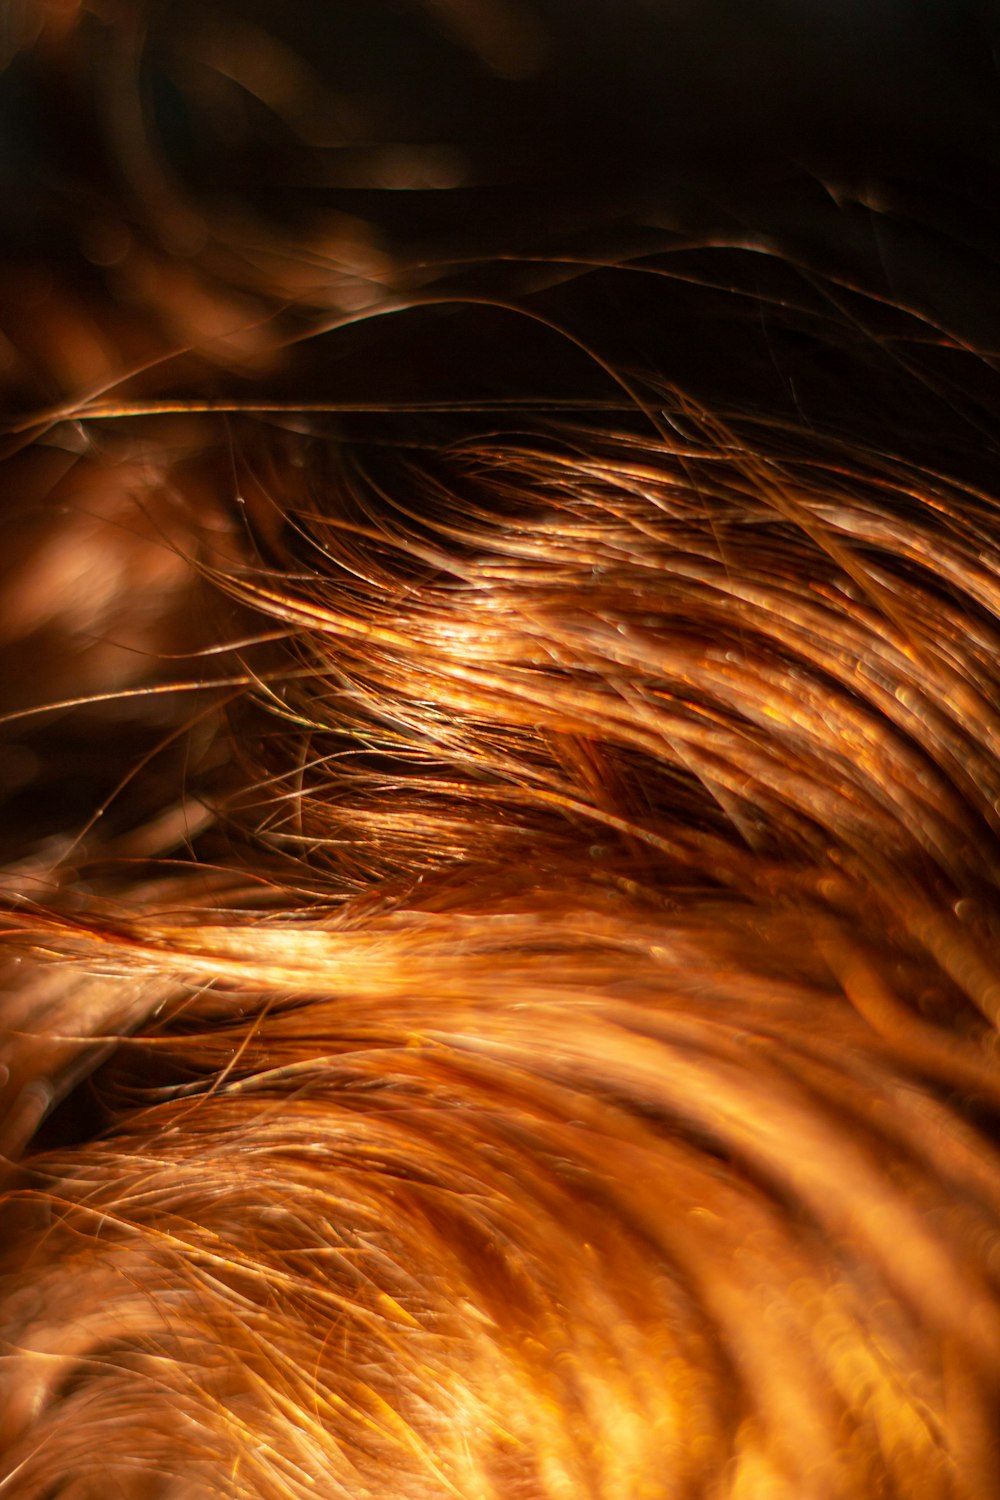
<point x="499" y="752"/>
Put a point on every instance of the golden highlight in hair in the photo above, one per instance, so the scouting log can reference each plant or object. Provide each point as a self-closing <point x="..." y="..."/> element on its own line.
<point x="501" y="837"/>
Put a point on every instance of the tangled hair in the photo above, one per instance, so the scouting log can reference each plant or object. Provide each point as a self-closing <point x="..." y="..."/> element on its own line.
<point x="501" y="765"/>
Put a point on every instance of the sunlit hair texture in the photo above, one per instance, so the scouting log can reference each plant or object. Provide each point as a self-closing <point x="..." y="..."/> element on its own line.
<point x="571" y="1071"/>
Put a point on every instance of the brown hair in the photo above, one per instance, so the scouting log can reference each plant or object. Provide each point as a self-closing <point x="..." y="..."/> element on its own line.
<point x="501" y="882"/>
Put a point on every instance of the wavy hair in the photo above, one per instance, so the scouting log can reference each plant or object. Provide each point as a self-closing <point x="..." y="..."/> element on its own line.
<point x="501" y="870"/>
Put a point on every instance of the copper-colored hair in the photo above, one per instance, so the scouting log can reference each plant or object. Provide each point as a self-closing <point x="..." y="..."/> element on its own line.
<point x="501" y="892"/>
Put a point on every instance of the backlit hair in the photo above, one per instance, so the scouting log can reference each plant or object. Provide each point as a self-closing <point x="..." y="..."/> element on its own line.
<point x="500" y="900"/>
